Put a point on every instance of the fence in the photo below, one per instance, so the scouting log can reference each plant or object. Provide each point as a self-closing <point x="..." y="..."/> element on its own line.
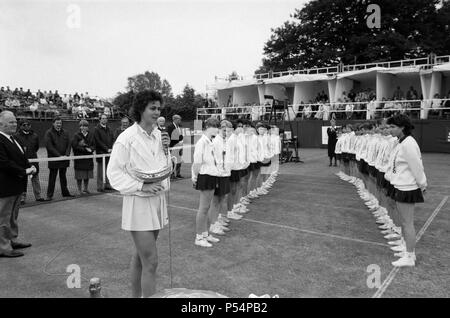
<point x="38" y="185"/>
<point x="417" y="109"/>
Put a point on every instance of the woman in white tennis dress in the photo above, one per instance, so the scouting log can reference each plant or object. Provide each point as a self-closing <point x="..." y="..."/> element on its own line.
<point x="137" y="156"/>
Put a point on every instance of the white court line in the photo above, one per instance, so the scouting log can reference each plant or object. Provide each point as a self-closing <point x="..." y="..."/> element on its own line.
<point x="395" y="270"/>
<point x="297" y="229"/>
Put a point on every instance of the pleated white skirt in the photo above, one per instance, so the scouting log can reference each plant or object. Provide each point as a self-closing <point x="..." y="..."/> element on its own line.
<point x="144" y="213"/>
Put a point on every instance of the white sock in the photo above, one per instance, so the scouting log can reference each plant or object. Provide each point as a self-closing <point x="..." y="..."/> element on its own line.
<point x="199" y="237"/>
<point x="205" y="234"/>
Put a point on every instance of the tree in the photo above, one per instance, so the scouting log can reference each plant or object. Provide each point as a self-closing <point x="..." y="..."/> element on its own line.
<point x="148" y="80"/>
<point x="324" y="33"/>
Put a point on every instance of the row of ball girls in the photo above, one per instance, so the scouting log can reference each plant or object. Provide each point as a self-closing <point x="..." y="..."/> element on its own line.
<point x="384" y="163"/>
<point x="233" y="164"/>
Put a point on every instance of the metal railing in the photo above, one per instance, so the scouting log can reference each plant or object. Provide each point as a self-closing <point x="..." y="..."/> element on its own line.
<point x="420" y="109"/>
<point x="331" y="70"/>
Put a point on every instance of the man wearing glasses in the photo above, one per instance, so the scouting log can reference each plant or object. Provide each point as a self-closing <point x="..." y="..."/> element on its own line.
<point x="30" y="142"/>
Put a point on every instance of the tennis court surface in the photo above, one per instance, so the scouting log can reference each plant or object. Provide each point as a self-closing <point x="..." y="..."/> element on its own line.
<point x="311" y="236"/>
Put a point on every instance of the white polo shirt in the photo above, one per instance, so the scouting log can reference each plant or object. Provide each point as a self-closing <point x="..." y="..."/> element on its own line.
<point x="204" y="155"/>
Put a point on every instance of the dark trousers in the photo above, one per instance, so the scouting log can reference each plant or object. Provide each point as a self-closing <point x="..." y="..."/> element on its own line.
<point x="9" y="230"/>
<point x="176" y="169"/>
<point x="52" y="181"/>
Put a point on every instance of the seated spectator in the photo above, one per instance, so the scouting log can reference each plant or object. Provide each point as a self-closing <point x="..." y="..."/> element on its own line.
<point x="76" y="98"/>
<point x="411" y="94"/>
<point x="107" y="111"/>
<point x="39" y="94"/>
<point x="15" y="102"/>
<point x="446" y="105"/>
<point x="66" y="101"/>
<point x="43" y="101"/>
<point x="8" y="103"/>
<point x="34" y="108"/>
<point x="21" y="92"/>
<point x="398" y="94"/>
<point x="307" y="111"/>
<point x="436" y="102"/>
<point x="28" y="93"/>
<point x="351" y="96"/>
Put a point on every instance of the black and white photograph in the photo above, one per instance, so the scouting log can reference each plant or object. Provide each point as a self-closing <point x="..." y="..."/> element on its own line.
<point x="251" y="150"/>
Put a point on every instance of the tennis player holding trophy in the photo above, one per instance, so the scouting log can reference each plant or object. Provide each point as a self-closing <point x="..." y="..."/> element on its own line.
<point x="139" y="169"/>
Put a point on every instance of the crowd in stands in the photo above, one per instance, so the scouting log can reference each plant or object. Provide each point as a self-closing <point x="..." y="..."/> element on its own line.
<point x="50" y="104"/>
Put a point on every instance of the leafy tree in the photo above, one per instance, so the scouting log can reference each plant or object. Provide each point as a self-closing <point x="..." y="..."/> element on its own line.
<point x="324" y="33"/>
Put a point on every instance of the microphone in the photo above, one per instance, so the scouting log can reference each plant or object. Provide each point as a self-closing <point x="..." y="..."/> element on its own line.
<point x="164" y="133"/>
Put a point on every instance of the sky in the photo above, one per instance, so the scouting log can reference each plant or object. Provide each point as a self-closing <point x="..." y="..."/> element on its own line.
<point x="94" y="46"/>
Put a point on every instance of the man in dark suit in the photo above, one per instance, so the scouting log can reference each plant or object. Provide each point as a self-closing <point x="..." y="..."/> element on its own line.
<point x="104" y="140"/>
<point x="124" y="124"/>
<point x="30" y="142"/>
<point x="176" y="140"/>
<point x="14" y="170"/>
<point x="57" y="142"/>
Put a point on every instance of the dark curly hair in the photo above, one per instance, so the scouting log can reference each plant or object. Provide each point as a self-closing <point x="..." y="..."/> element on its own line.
<point x="140" y="102"/>
<point x="401" y="120"/>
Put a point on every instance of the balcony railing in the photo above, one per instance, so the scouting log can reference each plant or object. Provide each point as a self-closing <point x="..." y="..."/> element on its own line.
<point x="331" y="70"/>
<point x="417" y="109"/>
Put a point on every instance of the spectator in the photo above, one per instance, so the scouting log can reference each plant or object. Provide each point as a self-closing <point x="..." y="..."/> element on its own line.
<point x="57" y="142"/>
<point x="82" y="145"/>
<point x="307" y="111"/>
<point x="21" y="92"/>
<point x="436" y="104"/>
<point x="28" y="93"/>
<point x="104" y="139"/>
<point x="43" y="100"/>
<point x="446" y="105"/>
<point x="352" y="95"/>
<point x="66" y="102"/>
<point x="371" y="109"/>
<point x="15" y="103"/>
<point x="124" y="124"/>
<point x="107" y="111"/>
<point x="161" y="122"/>
<point x="30" y="143"/>
<point x="411" y="94"/>
<point x="176" y="140"/>
<point x="76" y="98"/>
<point x="349" y="110"/>
<point x="34" y="108"/>
<point x="39" y="94"/>
<point x="398" y="94"/>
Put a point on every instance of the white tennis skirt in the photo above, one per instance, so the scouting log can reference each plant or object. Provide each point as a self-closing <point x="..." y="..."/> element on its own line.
<point x="144" y="213"/>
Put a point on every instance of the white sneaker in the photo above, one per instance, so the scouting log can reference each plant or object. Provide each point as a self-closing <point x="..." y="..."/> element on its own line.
<point x="392" y="236"/>
<point x="397" y="243"/>
<point x="212" y="239"/>
<point x="202" y="242"/>
<point x="402" y="254"/>
<point x="407" y="260"/>
<point x="388" y="231"/>
<point x="214" y="229"/>
<point x="399" y="248"/>
<point x="385" y="226"/>
<point x="234" y="216"/>
<point x="241" y="210"/>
